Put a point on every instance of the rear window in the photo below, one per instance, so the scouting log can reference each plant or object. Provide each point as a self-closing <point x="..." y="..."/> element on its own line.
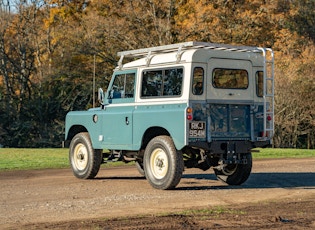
<point x="230" y="78"/>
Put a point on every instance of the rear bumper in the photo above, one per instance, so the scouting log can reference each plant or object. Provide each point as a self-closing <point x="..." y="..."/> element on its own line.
<point x="224" y="146"/>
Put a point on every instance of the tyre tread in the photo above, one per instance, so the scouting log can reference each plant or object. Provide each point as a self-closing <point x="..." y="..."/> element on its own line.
<point x="95" y="155"/>
<point x="176" y="160"/>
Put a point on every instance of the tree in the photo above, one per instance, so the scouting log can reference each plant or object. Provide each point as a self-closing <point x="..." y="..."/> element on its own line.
<point x="238" y="22"/>
<point x="295" y="90"/>
<point x="303" y="19"/>
<point x="47" y="51"/>
<point x="23" y="120"/>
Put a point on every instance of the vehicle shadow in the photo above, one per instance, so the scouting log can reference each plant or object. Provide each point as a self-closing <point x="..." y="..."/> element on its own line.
<point x="120" y="178"/>
<point x="305" y="180"/>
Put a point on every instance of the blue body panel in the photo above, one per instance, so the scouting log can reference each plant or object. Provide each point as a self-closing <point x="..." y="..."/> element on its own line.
<point x="83" y="119"/>
<point x="171" y="117"/>
<point x="115" y="126"/>
<point x="228" y="121"/>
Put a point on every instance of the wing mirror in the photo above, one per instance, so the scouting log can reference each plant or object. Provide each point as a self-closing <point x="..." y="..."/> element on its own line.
<point x="102" y="97"/>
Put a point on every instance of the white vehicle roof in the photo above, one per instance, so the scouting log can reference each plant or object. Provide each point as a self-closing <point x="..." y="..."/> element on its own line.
<point x="188" y="52"/>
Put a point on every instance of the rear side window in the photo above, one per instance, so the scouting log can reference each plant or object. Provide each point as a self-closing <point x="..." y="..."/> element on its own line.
<point x="159" y="83"/>
<point x="230" y="78"/>
<point x="197" y="86"/>
<point x="260" y="83"/>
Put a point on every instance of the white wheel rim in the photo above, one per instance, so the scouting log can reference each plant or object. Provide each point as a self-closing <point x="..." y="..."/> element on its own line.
<point x="80" y="156"/>
<point x="159" y="163"/>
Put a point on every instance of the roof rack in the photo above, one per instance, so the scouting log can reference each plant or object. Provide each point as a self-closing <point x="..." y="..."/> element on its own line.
<point x="180" y="47"/>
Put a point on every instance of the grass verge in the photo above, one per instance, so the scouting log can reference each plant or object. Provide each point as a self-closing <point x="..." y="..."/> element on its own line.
<point x="283" y="153"/>
<point x="22" y="159"/>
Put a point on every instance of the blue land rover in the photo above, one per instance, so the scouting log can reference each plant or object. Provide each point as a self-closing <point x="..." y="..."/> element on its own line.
<point x="191" y="104"/>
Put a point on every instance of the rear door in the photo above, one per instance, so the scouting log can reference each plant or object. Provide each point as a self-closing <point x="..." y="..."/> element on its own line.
<point x="229" y="80"/>
<point x="229" y="98"/>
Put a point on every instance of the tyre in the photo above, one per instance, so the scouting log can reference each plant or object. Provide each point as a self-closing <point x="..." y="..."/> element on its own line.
<point x="84" y="160"/>
<point x="235" y="174"/>
<point x="139" y="166"/>
<point x="163" y="164"/>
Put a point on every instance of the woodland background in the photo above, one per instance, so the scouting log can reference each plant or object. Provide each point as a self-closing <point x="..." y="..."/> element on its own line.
<point x="47" y="50"/>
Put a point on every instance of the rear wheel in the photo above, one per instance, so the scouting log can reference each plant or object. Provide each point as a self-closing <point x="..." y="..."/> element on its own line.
<point x="84" y="160"/>
<point x="163" y="164"/>
<point x="235" y="174"/>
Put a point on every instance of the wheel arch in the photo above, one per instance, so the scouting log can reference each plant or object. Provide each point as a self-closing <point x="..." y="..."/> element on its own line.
<point x="74" y="130"/>
<point x="152" y="132"/>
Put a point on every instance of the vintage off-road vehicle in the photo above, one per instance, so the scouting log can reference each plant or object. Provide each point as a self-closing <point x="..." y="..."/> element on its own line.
<point x="191" y="104"/>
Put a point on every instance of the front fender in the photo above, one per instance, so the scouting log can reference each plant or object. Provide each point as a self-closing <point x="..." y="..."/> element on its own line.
<point x="83" y="121"/>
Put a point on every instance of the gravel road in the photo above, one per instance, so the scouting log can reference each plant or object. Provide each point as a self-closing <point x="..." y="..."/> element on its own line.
<point x="29" y="198"/>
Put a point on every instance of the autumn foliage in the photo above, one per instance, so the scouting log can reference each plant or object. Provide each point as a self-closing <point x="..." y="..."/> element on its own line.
<point x="48" y="50"/>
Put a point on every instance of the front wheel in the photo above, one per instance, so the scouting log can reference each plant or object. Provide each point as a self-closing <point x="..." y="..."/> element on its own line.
<point x="235" y="174"/>
<point x="84" y="160"/>
<point x="163" y="164"/>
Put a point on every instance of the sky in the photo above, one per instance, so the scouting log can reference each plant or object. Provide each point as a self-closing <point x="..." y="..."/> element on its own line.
<point x="12" y="4"/>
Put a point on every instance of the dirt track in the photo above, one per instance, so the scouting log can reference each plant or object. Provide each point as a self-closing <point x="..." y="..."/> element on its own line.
<point x="278" y="194"/>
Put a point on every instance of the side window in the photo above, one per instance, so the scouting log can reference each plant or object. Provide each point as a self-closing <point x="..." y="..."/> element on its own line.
<point x="172" y="80"/>
<point x="230" y="78"/>
<point x="259" y="83"/>
<point x="123" y="86"/>
<point x="198" y="76"/>
<point x="151" y="83"/>
<point x="157" y="83"/>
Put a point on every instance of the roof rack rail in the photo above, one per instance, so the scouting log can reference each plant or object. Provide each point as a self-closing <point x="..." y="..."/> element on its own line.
<point x="180" y="47"/>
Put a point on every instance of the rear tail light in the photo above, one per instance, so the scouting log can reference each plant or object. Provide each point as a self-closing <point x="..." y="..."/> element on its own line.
<point x="189" y="114"/>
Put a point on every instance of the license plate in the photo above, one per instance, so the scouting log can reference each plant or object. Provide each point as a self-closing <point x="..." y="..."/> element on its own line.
<point x="197" y="129"/>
